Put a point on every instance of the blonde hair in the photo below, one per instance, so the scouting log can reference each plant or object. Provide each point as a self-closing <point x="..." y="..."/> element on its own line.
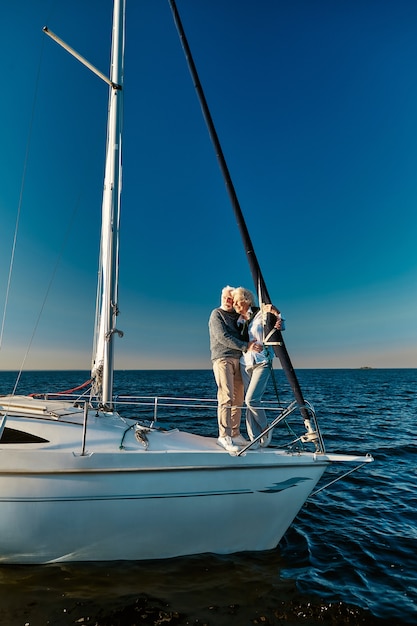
<point x="240" y="293"/>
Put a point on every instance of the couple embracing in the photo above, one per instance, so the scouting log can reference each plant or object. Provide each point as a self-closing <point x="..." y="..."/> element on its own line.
<point x="241" y="366"/>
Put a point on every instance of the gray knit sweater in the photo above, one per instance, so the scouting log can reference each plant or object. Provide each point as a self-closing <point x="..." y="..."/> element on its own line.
<point x="225" y="337"/>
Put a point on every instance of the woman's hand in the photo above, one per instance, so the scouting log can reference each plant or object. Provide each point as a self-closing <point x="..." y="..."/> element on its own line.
<point x="278" y="323"/>
<point x="270" y="308"/>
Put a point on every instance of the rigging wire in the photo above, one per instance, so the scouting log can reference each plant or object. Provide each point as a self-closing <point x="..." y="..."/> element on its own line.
<point x="22" y="187"/>
<point x="50" y="283"/>
<point x="64" y="240"/>
<point x="336" y="480"/>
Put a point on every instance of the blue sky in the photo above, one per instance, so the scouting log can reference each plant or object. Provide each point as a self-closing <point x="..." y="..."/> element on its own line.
<point x="315" y="104"/>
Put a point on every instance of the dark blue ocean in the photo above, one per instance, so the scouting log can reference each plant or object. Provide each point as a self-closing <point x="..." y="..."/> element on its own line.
<point x="350" y="556"/>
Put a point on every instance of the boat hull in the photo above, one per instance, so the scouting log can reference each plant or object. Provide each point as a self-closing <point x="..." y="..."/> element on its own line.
<point x="173" y="504"/>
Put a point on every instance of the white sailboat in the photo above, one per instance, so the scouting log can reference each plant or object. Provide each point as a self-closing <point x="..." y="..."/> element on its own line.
<point x="79" y="481"/>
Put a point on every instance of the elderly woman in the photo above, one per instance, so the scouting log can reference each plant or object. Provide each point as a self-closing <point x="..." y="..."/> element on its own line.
<point x="255" y="366"/>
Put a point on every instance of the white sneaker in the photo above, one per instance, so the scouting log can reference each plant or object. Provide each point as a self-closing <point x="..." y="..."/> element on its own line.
<point x="239" y="440"/>
<point x="266" y="439"/>
<point x="227" y="444"/>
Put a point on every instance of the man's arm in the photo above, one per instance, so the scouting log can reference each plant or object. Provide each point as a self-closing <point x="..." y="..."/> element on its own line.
<point x="221" y="332"/>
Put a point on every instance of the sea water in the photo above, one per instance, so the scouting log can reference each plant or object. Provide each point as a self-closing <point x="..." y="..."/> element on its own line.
<point x="353" y="544"/>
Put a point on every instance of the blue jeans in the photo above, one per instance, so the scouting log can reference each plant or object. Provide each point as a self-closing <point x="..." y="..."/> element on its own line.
<point x="255" y="381"/>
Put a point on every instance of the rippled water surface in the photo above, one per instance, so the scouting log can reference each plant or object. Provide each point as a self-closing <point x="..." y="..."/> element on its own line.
<point x="354" y="543"/>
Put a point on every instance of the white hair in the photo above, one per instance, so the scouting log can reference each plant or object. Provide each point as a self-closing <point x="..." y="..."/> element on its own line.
<point x="228" y="289"/>
<point x="245" y="295"/>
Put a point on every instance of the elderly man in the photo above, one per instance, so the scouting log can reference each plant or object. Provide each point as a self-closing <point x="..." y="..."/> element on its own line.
<point x="226" y="346"/>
